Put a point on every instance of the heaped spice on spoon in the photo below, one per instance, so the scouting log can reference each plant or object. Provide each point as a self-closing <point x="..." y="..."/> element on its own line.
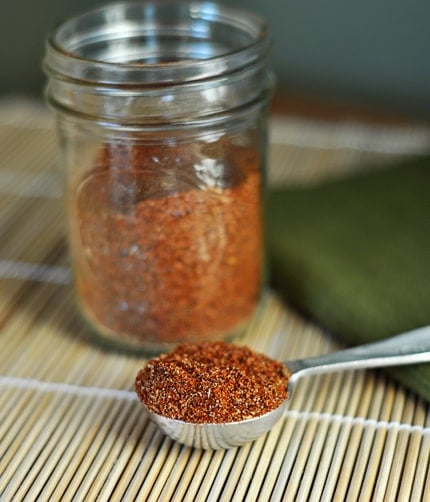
<point x="212" y="382"/>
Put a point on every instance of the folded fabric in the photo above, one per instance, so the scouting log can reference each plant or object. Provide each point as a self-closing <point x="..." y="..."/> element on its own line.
<point x="354" y="254"/>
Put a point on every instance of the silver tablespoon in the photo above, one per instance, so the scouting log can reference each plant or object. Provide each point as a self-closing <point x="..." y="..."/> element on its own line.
<point x="409" y="348"/>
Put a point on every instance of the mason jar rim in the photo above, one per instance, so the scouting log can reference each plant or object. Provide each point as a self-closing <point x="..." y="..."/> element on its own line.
<point x="65" y="48"/>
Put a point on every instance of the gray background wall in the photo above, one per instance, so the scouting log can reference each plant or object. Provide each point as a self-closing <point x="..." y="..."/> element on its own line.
<point x="368" y="51"/>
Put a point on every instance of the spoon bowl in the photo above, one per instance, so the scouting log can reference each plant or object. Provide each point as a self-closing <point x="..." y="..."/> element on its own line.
<point x="408" y="348"/>
<point x="216" y="436"/>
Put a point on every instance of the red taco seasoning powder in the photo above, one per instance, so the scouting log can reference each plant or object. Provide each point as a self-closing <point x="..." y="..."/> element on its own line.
<point x="168" y="256"/>
<point x="163" y="144"/>
<point x="212" y="382"/>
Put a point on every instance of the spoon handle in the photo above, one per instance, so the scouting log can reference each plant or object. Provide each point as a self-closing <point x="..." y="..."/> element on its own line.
<point x="408" y="348"/>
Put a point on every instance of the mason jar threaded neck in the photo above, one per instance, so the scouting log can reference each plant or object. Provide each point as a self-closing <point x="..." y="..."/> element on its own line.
<point x="163" y="61"/>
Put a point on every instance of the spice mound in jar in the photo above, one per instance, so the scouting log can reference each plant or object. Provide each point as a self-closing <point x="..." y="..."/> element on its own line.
<point x="212" y="382"/>
<point x="166" y="239"/>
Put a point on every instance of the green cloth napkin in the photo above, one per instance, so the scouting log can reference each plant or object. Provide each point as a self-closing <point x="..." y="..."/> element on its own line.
<point x="354" y="254"/>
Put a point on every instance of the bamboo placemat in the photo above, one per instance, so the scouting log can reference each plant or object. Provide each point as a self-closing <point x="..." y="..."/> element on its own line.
<point x="70" y="425"/>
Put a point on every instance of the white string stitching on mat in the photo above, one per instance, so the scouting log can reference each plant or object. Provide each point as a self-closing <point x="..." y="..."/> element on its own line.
<point x="365" y="422"/>
<point x="55" y="274"/>
<point x="23" y="184"/>
<point x="109" y="393"/>
<point x="66" y="388"/>
<point x="349" y="135"/>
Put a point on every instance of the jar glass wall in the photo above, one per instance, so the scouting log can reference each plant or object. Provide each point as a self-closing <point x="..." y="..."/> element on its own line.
<point x="162" y="118"/>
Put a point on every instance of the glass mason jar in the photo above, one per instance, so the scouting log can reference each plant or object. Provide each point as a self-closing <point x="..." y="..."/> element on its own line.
<point x="161" y="111"/>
